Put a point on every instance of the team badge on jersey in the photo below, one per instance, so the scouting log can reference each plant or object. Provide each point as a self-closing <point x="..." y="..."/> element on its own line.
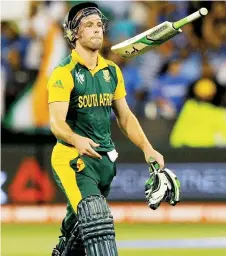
<point x="80" y="165"/>
<point x="80" y="77"/>
<point x="106" y="75"/>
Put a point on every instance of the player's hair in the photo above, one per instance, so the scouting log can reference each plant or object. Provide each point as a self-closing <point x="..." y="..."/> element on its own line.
<point x="75" y="16"/>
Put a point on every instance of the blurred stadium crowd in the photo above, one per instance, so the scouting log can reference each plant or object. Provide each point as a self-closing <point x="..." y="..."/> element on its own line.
<point x="159" y="83"/>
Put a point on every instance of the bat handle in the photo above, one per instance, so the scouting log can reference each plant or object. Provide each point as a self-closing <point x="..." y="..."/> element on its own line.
<point x="194" y="16"/>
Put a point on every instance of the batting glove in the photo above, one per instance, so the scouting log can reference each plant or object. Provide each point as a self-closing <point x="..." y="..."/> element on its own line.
<point x="173" y="187"/>
<point x="155" y="186"/>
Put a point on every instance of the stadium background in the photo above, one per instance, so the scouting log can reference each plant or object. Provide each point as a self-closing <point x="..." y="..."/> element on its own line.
<point x="177" y="91"/>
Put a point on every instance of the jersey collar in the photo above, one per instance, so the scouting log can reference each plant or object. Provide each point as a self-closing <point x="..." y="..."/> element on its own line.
<point x="101" y="62"/>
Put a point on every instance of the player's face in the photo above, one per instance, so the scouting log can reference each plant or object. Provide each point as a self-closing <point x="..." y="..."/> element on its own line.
<point x="90" y="34"/>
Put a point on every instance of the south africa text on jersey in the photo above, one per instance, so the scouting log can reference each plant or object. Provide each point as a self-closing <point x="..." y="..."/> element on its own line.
<point x="95" y="100"/>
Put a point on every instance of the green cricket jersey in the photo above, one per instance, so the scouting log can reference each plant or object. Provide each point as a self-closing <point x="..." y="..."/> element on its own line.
<point x="90" y="94"/>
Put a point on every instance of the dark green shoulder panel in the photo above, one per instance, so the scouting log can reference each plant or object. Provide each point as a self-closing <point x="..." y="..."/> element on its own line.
<point x="65" y="61"/>
<point x="68" y="63"/>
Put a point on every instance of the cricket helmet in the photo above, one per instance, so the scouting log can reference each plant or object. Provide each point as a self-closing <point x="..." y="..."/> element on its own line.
<point x="75" y="16"/>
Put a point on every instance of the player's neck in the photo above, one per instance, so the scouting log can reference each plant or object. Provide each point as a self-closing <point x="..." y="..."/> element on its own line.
<point x="89" y="57"/>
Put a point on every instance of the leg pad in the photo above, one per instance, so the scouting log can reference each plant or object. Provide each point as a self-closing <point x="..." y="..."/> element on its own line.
<point x="96" y="226"/>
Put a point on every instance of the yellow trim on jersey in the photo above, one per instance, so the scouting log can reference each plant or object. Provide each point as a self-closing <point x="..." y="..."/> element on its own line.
<point x="110" y="63"/>
<point x="120" y="91"/>
<point x="77" y="58"/>
<point x="71" y="65"/>
<point x="61" y="157"/>
<point x="60" y="84"/>
<point x="101" y="65"/>
<point x="101" y="62"/>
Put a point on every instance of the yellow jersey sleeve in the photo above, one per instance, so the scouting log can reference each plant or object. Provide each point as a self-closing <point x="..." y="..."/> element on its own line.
<point x="60" y="85"/>
<point x="120" y="91"/>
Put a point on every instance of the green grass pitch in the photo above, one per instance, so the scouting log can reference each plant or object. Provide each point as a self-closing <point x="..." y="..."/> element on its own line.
<point x="38" y="239"/>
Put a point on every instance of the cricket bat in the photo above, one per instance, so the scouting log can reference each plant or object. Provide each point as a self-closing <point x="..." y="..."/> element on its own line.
<point x="153" y="37"/>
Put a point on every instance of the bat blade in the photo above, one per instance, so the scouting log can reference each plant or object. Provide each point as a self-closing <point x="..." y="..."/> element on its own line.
<point x="146" y="41"/>
<point x="153" y="37"/>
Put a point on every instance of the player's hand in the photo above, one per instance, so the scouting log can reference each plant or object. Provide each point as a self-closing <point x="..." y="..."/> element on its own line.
<point x="85" y="146"/>
<point x="149" y="152"/>
<point x="155" y="189"/>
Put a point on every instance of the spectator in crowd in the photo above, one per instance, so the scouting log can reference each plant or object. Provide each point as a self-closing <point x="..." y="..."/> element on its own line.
<point x="199" y="91"/>
<point x="150" y="66"/>
<point x="214" y="25"/>
<point x="169" y="91"/>
<point x="13" y="49"/>
<point x="202" y="117"/>
<point x="214" y="34"/>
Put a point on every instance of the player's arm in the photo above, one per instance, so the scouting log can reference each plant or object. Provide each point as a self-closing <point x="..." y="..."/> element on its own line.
<point x="129" y="123"/>
<point x="59" y="89"/>
<point x="131" y="127"/>
<point x="59" y="127"/>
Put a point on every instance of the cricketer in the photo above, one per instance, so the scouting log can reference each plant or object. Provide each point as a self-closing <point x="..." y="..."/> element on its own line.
<point x="82" y="91"/>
